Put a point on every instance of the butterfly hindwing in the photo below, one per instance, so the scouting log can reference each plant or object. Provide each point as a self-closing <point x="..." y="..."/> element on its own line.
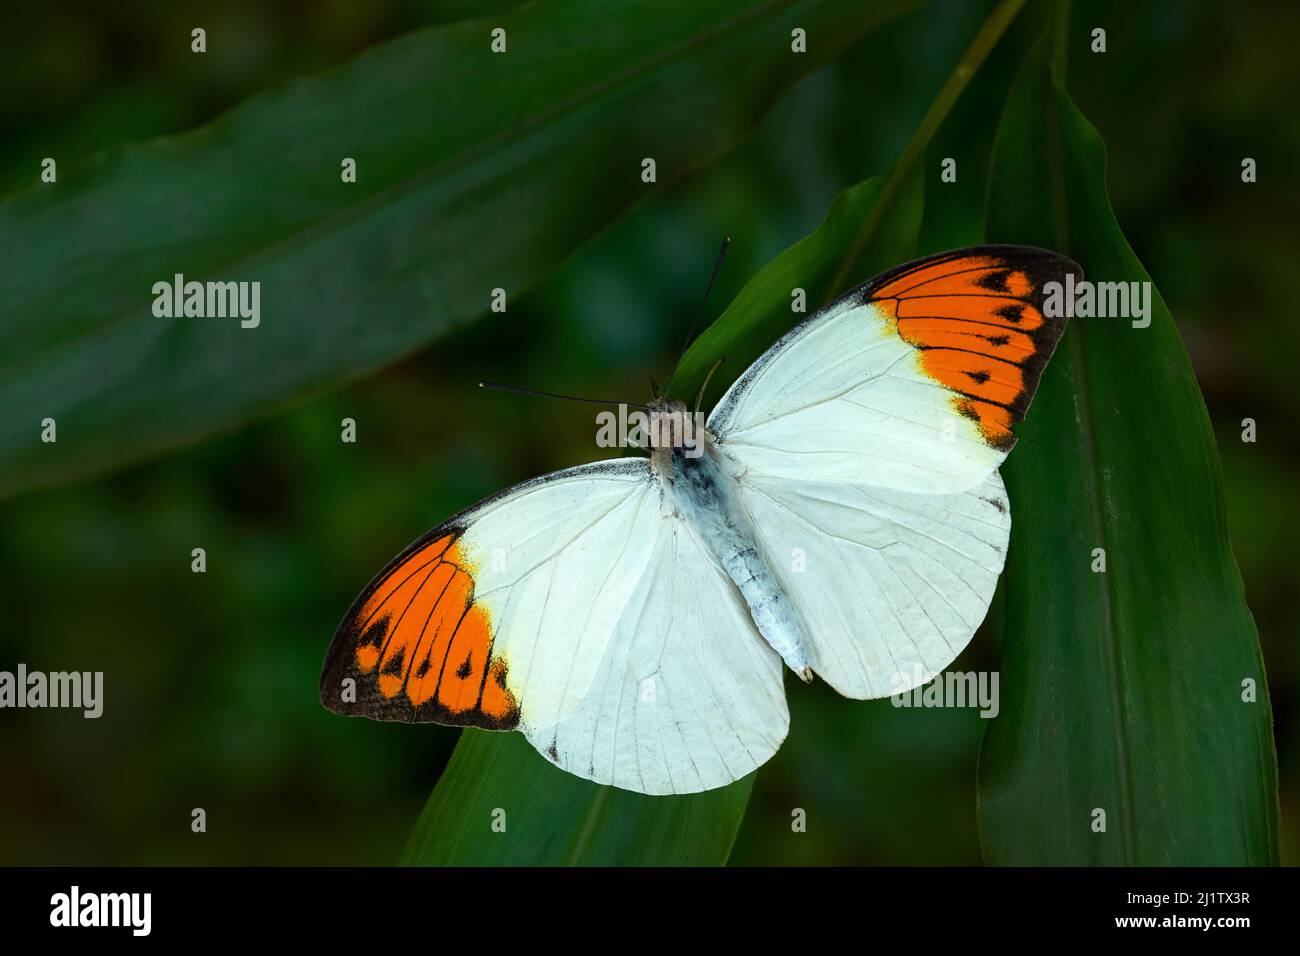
<point x="689" y="697"/>
<point x="890" y="585"/>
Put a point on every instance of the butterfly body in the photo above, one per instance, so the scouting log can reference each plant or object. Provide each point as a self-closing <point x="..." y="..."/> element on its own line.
<point x="840" y="513"/>
<point x="702" y="491"/>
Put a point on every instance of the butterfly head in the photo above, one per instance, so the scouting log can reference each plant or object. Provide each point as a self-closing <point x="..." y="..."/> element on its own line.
<point x="663" y="405"/>
<point x="670" y="423"/>
<point x="674" y="428"/>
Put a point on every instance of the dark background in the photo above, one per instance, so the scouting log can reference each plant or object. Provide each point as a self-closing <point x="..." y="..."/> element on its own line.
<point x="211" y="679"/>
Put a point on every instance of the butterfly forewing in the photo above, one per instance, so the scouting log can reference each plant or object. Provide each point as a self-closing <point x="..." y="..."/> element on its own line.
<point x="501" y="614"/>
<point x="911" y="381"/>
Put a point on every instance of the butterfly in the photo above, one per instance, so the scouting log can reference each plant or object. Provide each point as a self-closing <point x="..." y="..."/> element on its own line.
<point x="841" y="515"/>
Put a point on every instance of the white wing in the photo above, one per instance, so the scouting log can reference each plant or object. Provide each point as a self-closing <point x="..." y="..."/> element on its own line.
<point x="503" y="613"/>
<point x="689" y="696"/>
<point x="889" y="585"/>
<point x="577" y="609"/>
<point x="911" y="381"/>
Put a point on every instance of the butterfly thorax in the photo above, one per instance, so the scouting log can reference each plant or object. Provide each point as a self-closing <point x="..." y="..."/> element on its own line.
<point x="701" y="485"/>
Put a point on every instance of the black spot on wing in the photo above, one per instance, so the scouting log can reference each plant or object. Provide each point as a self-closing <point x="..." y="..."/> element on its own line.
<point x="394" y="666"/>
<point x="995" y="281"/>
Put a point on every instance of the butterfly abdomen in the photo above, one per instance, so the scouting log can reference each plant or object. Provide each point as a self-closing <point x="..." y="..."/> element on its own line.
<point x="704" y="491"/>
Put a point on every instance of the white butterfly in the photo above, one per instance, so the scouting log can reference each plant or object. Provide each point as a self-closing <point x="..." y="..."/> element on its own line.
<point x="843" y="514"/>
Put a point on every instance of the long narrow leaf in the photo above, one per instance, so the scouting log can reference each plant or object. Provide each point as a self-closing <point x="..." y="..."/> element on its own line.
<point x="499" y="803"/>
<point x="476" y="170"/>
<point x="1135" y="724"/>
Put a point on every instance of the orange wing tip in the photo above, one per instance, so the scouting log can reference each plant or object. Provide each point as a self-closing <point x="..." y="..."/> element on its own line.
<point x="977" y="322"/>
<point x="419" y="648"/>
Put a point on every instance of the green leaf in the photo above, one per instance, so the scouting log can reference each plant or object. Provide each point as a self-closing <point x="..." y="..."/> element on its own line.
<point x="1121" y="691"/>
<point x="476" y="171"/>
<point x="762" y="311"/>
<point x="500" y="803"/>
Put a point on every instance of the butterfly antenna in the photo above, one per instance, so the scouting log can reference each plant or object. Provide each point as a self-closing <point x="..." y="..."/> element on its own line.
<point x="690" y="333"/>
<point x="700" y="397"/>
<point x="498" y="387"/>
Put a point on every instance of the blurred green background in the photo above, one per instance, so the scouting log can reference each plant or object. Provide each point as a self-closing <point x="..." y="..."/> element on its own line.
<point x="211" y="697"/>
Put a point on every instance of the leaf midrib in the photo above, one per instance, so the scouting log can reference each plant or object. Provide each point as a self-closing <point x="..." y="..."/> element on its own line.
<point x="1087" y="432"/>
<point x="588" y="827"/>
